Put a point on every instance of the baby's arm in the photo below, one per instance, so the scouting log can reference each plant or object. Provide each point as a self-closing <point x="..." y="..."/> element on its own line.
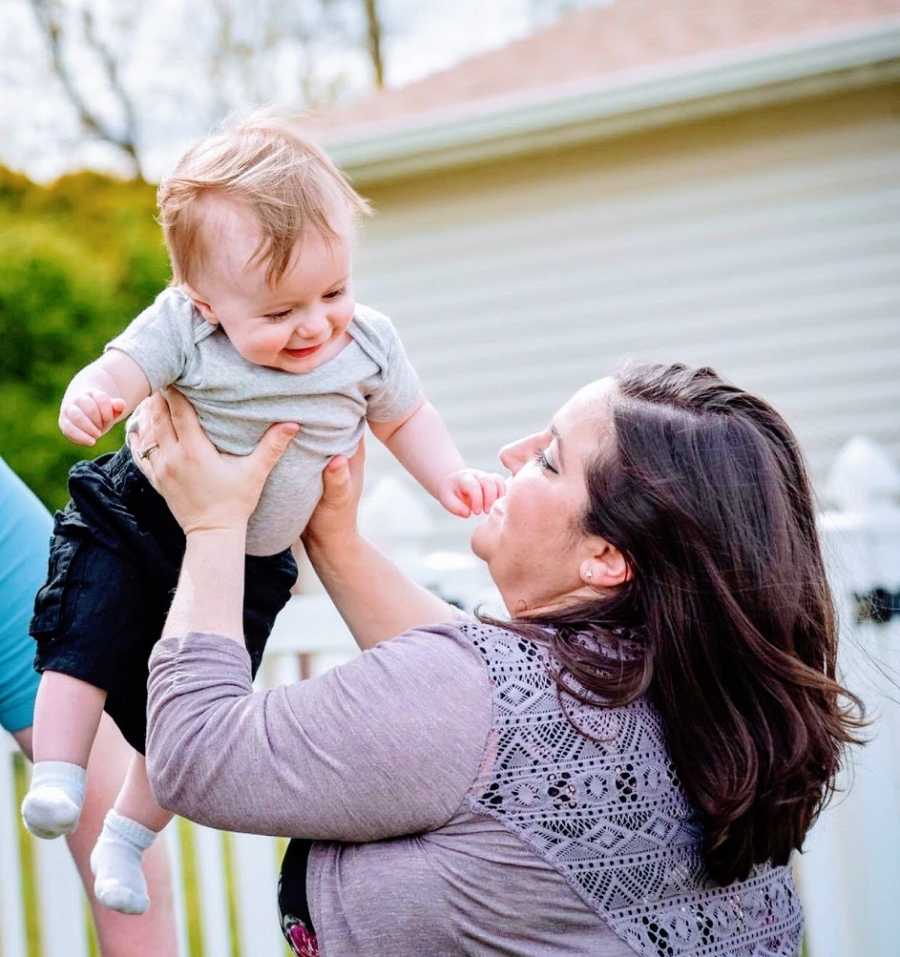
<point x="100" y="395"/>
<point x="423" y="446"/>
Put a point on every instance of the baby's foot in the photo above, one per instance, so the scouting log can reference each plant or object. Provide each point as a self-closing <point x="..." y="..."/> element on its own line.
<point x="52" y="805"/>
<point x="116" y="864"/>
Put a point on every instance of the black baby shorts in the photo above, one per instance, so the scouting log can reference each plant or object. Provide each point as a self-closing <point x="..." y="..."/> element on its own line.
<point x="115" y="556"/>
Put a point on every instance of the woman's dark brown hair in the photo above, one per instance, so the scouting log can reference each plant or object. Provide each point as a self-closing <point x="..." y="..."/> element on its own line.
<point x="705" y="492"/>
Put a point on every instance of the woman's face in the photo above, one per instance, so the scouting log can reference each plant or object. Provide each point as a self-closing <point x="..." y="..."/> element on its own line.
<point x="532" y="540"/>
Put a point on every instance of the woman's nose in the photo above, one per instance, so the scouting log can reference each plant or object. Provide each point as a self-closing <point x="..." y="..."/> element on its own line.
<point x="514" y="456"/>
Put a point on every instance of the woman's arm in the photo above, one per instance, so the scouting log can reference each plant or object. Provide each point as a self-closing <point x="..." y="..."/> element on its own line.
<point x="340" y="757"/>
<point x="385" y="744"/>
<point x="210" y="592"/>
<point x="211" y="496"/>
<point x="375" y="599"/>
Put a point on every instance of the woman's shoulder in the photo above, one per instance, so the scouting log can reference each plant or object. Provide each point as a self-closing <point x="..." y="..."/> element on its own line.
<point x="446" y="648"/>
<point x="484" y="645"/>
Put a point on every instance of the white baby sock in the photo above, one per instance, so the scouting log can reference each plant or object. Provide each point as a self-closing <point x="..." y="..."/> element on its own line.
<point x="52" y="805"/>
<point x="116" y="863"/>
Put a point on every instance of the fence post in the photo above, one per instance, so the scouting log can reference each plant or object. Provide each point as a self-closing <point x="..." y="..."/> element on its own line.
<point x="12" y="913"/>
<point x="850" y="870"/>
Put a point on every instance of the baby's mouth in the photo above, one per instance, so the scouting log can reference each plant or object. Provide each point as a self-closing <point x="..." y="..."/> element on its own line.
<point x="301" y="353"/>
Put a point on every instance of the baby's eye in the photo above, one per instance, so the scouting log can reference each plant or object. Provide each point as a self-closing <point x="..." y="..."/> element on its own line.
<point x="543" y="462"/>
<point x="275" y="316"/>
<point x="335" y="293"/>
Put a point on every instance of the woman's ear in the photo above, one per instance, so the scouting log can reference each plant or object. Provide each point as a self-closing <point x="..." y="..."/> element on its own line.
<point x="606" y="566"/>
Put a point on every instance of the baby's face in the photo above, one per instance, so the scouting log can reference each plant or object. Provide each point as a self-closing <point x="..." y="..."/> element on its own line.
<point x="298" y="323"/>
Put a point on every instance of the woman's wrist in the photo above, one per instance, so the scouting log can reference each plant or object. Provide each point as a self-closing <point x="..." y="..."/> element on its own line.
<point x="210" y="593"/>
<point x="332" y="551"/>
<point x="225" y="536"/>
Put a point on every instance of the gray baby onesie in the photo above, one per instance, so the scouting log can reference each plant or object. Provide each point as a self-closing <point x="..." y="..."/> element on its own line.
<point x="371" y="378"/>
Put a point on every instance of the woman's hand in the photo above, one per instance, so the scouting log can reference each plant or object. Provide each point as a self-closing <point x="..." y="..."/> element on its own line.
<point x="334" y="520"/>
<point x="204" y="489"/>
<point x="375" y="599"/>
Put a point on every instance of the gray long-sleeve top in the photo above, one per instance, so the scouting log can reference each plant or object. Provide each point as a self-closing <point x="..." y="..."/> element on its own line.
<point x="455" y="810"/>
<point x="374" y="759"/>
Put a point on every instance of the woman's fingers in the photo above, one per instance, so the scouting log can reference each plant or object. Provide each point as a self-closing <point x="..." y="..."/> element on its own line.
<point x="342" y="479"/>
<point x="358" y="464"/>
<point x="335" y="481"/>
<point x="351" y="473"/>
<point x="152" y="430"/>
<point x="181" y="415"/>
<point x="156" y="425"/>
<point x="272" y="445"/>
<point x="335" y="515"/>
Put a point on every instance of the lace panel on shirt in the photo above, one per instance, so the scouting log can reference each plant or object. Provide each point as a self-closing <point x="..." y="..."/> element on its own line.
<point x="612" y="818"/>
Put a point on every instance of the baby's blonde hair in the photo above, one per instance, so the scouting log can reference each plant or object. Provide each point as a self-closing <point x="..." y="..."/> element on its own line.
<point x="289" y="184"/>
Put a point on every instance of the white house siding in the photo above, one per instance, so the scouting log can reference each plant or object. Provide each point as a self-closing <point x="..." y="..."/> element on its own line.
<point x="766" y="245"/>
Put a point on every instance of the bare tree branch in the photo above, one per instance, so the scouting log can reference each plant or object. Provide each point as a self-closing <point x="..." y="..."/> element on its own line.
<point x="374" y="41"/>
<point x="46" y="14"/>
<point x="127" y="142"/>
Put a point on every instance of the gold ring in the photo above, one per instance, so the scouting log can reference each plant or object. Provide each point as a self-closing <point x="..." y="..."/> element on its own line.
<point x="149" y="450"/>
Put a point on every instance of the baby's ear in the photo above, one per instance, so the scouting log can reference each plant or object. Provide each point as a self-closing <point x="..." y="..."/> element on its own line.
<point x="206" y="310"/>
<point x="201" y="305"/>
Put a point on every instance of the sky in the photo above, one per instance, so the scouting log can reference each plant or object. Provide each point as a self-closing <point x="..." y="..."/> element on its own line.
<point x="160" y="44"/>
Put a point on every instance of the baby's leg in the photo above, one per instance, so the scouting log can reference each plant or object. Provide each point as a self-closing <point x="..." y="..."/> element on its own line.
<point x="129" y="829"/>
<point x="66" y="715"/>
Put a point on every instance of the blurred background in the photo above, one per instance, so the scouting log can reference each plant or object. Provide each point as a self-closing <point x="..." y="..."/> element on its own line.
<point x="558" y="186"/>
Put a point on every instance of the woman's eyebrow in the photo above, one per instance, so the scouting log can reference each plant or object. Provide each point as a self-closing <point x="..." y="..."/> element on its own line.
<point x="554" y="431"/>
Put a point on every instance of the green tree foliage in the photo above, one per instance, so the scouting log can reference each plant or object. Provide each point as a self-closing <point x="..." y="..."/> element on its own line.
<point x="79" y="259"/>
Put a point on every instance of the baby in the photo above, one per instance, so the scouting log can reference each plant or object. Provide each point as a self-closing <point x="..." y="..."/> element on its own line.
<point x="258" y="326"/>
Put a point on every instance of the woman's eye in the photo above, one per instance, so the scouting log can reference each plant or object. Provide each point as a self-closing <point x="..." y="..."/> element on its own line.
<point x="275" y="316"/>
<point x="334" y="294"/>
<point x="543" y="462"/>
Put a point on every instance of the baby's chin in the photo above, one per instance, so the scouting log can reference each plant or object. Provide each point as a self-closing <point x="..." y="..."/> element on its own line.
<point x="287" y="363"/>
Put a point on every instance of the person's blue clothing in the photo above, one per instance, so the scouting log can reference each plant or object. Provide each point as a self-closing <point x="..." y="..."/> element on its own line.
<point x="25" y="527"/>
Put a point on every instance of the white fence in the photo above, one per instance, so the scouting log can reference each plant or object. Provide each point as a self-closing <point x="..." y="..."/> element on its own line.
<point x="848" y="876"/>
<point x="850" y="872"/>
<point x="308" y="638"/>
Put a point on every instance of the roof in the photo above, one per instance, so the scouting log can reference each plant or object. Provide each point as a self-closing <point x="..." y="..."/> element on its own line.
<point x="612" y="70"/>
<point x="596" y="43"/>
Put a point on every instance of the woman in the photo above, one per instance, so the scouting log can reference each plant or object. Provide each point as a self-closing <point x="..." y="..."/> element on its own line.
<point x="25" y="529"/>
<point x="625" y="767"/>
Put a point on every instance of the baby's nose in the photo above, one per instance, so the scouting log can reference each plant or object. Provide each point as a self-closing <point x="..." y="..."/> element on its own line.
<point x="311" y="324"/>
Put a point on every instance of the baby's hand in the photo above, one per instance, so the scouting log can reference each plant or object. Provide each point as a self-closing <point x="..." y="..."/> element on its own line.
<point x="84" y="418"/>
<point x="470" y="491"/>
